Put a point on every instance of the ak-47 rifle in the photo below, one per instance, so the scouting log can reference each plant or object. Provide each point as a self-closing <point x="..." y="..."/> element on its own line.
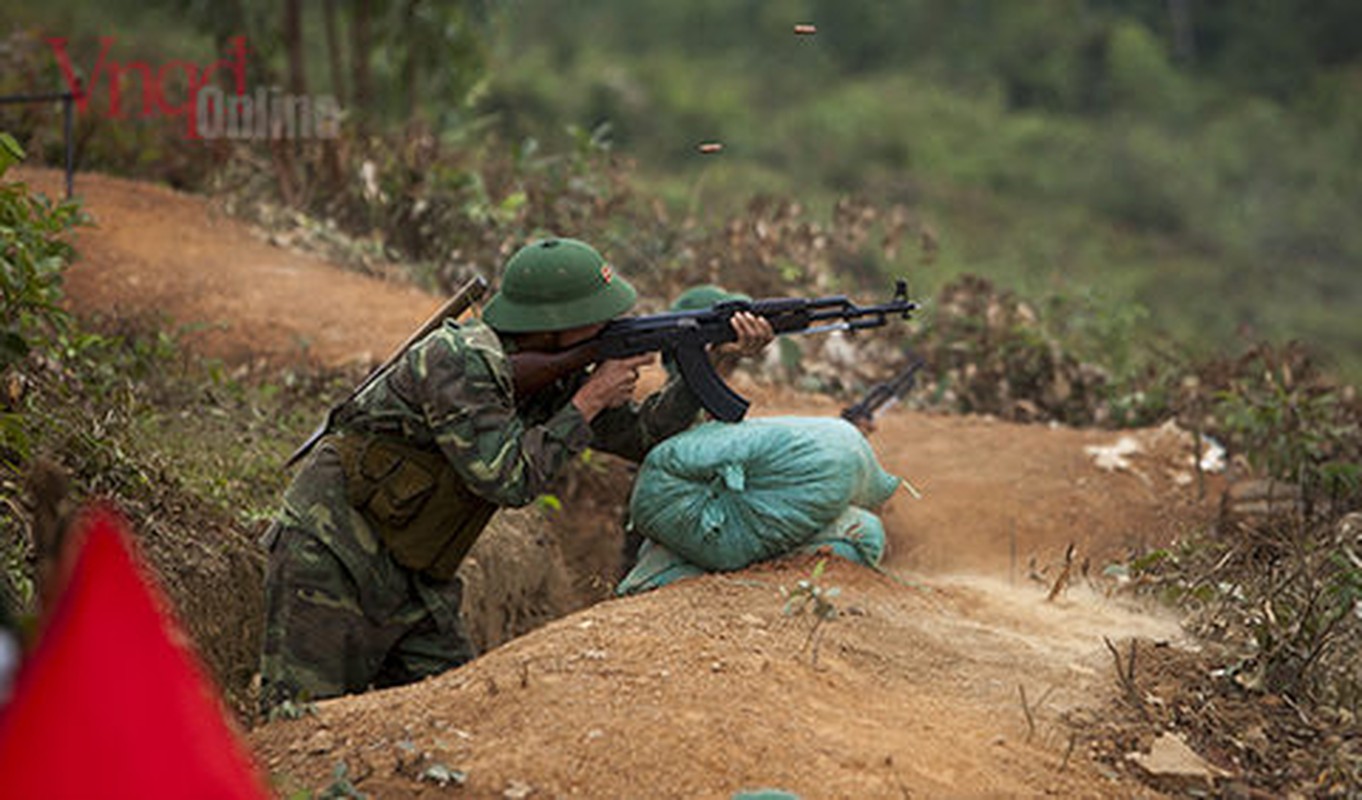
<point x="468" y="294"/>
<point x="883" y="395"/>
<point x="684" y="335"/>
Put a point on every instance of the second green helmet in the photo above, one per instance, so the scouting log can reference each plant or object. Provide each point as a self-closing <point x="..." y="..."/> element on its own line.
<point x="704" y="296"/>
<point x="556" y="284"/>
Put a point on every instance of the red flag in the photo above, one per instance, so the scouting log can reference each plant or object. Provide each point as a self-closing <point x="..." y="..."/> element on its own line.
<point x="112" y="703"/>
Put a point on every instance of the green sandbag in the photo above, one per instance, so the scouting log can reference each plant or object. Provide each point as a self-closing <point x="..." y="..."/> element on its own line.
<point x="656" y="567"/>
<point x="857" y="535"/>
<point x="725" y="495"/>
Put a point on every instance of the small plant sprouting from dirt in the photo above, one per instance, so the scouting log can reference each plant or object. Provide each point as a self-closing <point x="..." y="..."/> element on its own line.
<point x="291" y="710"/>
<point x="811" y="596"/>
<point x="341" y="786"/>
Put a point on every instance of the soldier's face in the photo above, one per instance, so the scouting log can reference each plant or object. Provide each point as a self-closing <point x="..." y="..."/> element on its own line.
<point x="573" y="336"/>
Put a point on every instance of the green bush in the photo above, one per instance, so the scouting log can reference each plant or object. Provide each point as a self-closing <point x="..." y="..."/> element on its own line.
<point x="1295" y="428"/>
<point x="1280" y="588"/>
<point x="1143" y="81"/>
<point x="32" y="256"/>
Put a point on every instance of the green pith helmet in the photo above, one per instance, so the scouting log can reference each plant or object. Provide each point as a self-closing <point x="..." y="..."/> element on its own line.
<point x="554" y="285"/>
<point x="701" y="297"/>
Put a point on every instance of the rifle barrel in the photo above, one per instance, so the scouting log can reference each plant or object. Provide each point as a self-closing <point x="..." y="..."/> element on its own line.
<point x="884" y="394"/>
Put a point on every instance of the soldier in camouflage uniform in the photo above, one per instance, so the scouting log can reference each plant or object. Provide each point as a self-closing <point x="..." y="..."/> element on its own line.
<point x="362" y="589"/>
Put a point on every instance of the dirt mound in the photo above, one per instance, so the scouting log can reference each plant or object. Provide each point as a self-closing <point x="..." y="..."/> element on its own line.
<point x="515" y="579"/>
<point x="1010" y="499"/>
<point x="706" y="687"/>
<point x="153" y="250"/>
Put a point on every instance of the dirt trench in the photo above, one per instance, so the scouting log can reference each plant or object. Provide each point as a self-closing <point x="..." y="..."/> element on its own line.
<point x="703" y="688"/>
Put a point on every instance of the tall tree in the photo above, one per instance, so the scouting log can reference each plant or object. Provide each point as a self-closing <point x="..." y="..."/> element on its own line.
<point x="438" y="53"/>
<point x="292" y="31"/>
<point x="334" y="56"/>
<point x="1180" y="19"/>
<point x="411" y="59"/>
<point x="360" y="34"/>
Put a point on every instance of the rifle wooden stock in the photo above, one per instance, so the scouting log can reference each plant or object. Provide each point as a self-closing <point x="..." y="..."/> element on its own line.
<point x="534" y="370"/>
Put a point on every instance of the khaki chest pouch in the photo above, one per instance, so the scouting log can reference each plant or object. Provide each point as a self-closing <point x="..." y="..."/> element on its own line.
<point x="424" y="513"/>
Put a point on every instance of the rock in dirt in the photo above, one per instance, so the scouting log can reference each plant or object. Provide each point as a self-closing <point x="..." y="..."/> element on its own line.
<point x="1171" y="761"/>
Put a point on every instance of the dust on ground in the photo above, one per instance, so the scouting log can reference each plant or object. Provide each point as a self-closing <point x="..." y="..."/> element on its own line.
<point x="927" y="683"/>
<point x="705" y="688"/>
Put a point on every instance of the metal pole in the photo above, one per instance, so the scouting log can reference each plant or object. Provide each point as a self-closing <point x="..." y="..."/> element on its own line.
<point x="70" y="144"/>
<point x="66" y="99"/>
<point x="31" y="98"/>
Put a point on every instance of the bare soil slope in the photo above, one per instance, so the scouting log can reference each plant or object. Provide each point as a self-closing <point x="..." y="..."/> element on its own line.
<point x="155" y="251"/>
<point x="706" y="688"/>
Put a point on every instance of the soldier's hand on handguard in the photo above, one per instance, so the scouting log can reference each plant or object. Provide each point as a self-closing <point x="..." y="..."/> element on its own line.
<point x="754" y="334"/>
<point x="611" y="384"/>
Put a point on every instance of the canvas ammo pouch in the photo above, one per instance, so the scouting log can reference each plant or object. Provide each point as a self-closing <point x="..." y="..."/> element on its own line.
<point x="421" y="509"/>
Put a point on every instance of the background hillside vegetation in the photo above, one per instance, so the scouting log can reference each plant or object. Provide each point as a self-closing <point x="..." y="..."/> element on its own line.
<point x="1116" y="212"/>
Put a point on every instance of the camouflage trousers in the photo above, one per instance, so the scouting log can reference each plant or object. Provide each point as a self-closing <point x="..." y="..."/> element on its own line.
<point x="341" y="615"/>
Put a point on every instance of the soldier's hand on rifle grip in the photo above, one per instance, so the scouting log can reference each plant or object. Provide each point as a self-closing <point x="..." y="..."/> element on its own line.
<point x="611" y="384"/>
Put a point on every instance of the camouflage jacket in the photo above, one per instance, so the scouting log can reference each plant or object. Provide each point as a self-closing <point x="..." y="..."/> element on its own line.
<point x="451" y="394"/>
<point x="453" y="391"/>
